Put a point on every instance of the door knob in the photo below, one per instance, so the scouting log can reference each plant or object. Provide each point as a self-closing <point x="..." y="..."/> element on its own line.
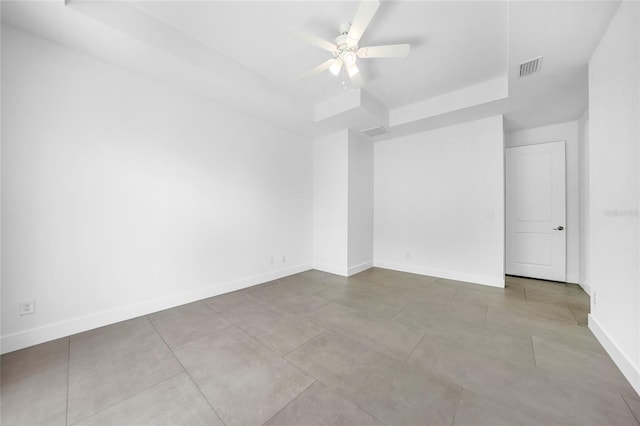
<point x="559" y="228"/>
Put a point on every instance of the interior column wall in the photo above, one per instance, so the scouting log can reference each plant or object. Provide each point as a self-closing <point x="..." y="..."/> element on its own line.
<point x="360" y="203"/>
<point x="331" y="203"/>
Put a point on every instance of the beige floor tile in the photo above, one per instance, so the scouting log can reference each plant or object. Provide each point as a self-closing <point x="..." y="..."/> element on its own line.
<point x="388" y="337"/>
<point x="634" y="405"/>
<point x="574" y="336"/>
<point x="175" y="401"/>
<point x="477" y="410"/>
<point x="389" y="390"/>
<point x="555" y="400"/>
<point x="112" y="363"/>
<point x="581" y="366"/>
<point x="580" y="313"/>
<point x="34" y="385"/>
<point x="376" y="274"/>
<point x="438" y="311"/>
<point x="528" y="321"/>
<point x="346" y="340"/>
<point x="372" y="288"/>
<point x="423" y="293"/>
<point x="297" y="284"/>
<point x="412" y="281"/>
<point x="296" y="303"/>
<point x="319" y="406"/>
<point x="569" y="294"/>
<point x="244" y="382"/>
<point x="537" y="311"/>
<point x="314" y="275"/>
<point x="489" y="295"/>
<point x="227" y="301"/>
<point x="457" y="284"/>
<point x="342" y="295"/>
<point x="187" y="322"/>
<point x="276" y="329"/>
<point x="483" y="338"/>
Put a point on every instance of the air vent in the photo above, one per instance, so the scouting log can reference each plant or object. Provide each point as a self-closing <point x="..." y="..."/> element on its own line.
<point x="530" y="67"/>
<point x="376" y="131"/>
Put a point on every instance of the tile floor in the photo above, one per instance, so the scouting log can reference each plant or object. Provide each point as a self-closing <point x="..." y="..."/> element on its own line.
<point x="379" y="348"/>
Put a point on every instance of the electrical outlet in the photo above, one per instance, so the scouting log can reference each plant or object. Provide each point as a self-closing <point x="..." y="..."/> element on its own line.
<point x="27" y="307"/>
<point x="273" y="261"/>
<point x="284" y="258"/>
<point x="595" y="298"/>
<point x="407" y="255"/>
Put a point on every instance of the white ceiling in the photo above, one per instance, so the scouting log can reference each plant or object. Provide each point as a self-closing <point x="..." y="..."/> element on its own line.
<point x="240" y="52"/>
<point x="445" y="37"/>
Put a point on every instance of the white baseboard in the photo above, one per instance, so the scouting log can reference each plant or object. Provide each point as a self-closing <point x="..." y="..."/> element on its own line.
<point x="359" y="268"/>
<point x="628" y="369"/>
<point x="332" y="269"/>
<point x="586" y="288"/>
<point x="34" y="336"/>
<point x="442" y="273"/>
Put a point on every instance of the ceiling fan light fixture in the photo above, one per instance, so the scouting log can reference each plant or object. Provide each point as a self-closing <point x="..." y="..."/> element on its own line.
<point x="336" y="67"/>
<point x="349" y="58"/>
<point x="345" y="48"/>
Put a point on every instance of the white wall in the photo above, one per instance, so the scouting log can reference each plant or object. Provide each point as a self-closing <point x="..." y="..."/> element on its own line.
<point x="567" y="132"/>
<point x="614" y="164"/>
<point x="439" y="202"/>
<point x="343" y="203"/>
<point x="330" y="203"/>
<point x="121" y="196"/>
<point x="584" y="250"/>
<point x="360" y="203"/>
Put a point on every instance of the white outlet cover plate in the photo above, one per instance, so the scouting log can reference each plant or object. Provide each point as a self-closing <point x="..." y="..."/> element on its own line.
<point x="27" y="307"/>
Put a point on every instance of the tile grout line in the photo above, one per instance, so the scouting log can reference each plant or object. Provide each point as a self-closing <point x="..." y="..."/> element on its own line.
<point x="290" y="402"/>
<point x="343" y="333"/>
<point x="486" y="314"/>
<point x="324" y="329"/>
<point x="332" y="389"/>
<point x="399" y="312"/>
<point x="185" y="370"/>
<point x="629" y="407"/>
<point x="198" y="338"/>
<point x="283" y="358"/>
<point x="406" y="361"/>
<point x="277" y="354"/>
<point x="455" y="413"/>
<point x="127" y="398"/>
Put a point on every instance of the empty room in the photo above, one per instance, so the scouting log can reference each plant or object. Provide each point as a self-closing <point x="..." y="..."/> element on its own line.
<point x="320" y="212"/>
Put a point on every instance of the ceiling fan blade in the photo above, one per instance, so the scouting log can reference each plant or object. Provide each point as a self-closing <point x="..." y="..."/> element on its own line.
<point x="364" y="14"/>
<point x="313" y="39"/>
<point x="355" y="76"/>
<point x="389" y="51"/>
<point x="317" y="70"/>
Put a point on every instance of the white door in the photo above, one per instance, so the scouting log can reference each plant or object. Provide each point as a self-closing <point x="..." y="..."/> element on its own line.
<point x="536" y="235"/>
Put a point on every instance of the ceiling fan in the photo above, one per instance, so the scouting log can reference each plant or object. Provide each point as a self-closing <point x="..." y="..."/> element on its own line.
<point x="345" y="47"/>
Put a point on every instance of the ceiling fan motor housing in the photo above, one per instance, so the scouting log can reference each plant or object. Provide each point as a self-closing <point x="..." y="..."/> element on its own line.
<point x="344" y="51"/>
<point x="344" y="28"/>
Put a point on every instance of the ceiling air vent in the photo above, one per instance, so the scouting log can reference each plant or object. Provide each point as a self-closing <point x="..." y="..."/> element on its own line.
<point x="376" y="131"/>
<point x="530" y="67"/>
